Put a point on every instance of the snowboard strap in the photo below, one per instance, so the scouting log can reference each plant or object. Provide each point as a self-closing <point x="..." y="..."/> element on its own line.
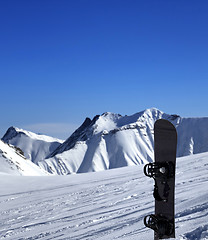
<point x="159" y="170"/>
<point x="159" y="224"/>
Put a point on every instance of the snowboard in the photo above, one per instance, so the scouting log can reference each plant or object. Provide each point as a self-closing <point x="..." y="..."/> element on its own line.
<point x="163" y="172"/>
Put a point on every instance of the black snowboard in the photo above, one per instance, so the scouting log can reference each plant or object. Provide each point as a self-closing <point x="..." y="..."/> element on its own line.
<point x="163" y="172"/>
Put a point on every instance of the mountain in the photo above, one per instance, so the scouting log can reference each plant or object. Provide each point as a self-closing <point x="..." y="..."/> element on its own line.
<point x="12" y="161"/>
<point x="102" y="205"/>
<point x="35" y="146"/>
<point x="109" y="141"/>
<point x="105" y="142"/>
<point x="192" y="136"/>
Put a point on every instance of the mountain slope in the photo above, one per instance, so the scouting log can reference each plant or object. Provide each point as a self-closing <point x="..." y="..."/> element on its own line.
<point x="108" y="141"/>
<point x="13" y="162"/>
<point x="102" y="205"/>
<point x="192" y="136"/>
<point x="35" y="146"/>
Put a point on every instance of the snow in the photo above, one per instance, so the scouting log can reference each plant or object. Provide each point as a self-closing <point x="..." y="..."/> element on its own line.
<point x="35" y="136"/>
<point x="106" y="122"/>
<point x="192" y="135"/>
<point x="101" y="205"/>
<point x="13" y="162"/>
<point x="36" y="147"/>
<point x="108" y="141"/>
<point x="111" y="141"/>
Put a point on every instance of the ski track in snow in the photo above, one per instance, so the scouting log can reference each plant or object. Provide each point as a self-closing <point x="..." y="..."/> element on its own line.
<point x="104" y="205"/>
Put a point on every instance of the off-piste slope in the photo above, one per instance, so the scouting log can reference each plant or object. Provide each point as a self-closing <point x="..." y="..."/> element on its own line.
<point x="12" y="161"/>
<point x="36" y="147"/>
<point x="102" y="205"/>
<point x="111" y="141"/>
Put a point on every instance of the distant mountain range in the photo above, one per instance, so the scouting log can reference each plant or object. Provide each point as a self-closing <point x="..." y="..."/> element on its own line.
<point x="108" y="141"/>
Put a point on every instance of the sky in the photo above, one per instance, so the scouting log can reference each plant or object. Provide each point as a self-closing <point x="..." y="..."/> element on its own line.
<point x="62" y="60"/>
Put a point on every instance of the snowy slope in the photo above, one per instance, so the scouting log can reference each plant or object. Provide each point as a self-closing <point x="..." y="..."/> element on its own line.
<point x="35" y="147"/>
<point x="104" y="205"/>
<point x="13" y="162"/>
<point x="192" y="135"/>
<point x="111" y="141"/>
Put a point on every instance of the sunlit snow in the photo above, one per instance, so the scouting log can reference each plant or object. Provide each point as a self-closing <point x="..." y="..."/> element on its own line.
<point x="102" y="205"/>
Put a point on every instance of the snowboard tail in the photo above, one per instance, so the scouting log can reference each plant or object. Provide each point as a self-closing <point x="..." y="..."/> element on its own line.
<point x="163" y="173"/>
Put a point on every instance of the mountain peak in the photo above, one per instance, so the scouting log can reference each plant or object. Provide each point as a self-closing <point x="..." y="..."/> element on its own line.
<point x="10" y="133"/>
<point x="35" y="146"/>
<point x="111" y="115"/>
<point x="152" y="113"/>
<point x="13" y="132"/>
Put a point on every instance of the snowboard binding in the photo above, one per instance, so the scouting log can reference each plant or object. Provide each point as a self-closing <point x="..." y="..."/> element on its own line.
<point x="161" y="225"/>
<point x="159" y="170"/>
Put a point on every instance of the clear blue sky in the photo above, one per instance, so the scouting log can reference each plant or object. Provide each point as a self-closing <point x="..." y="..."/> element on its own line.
<point x="64" y="60"/>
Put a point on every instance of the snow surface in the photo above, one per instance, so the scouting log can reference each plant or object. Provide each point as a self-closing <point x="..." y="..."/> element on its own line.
<point x="103" y="205"/>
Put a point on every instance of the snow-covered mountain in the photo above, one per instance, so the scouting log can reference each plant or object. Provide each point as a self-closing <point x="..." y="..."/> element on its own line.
<point x="108" y="141"/>
<point x="107" y="205"/>
<point x="111" y="141"/>
<point x="12" y="161"/>
<point x="36" y="147"/>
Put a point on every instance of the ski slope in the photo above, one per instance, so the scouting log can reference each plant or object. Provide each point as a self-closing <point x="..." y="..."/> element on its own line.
<point x="103" y="205"/>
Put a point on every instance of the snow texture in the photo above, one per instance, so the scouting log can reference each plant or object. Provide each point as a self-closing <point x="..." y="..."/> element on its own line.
<point x="102" y="205"/>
